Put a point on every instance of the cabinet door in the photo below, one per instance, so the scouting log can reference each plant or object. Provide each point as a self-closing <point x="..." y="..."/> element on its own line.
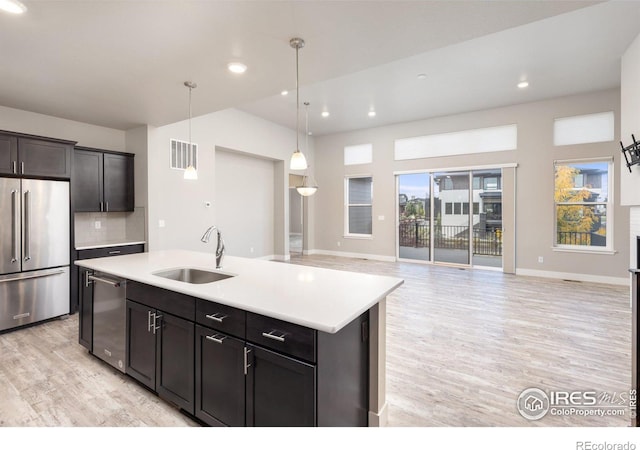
<point x="44" y="158"/>
<point x="280" y="390"/>
<point x="141" y="344"/>
<point x="175" y="361"/>
<point x="220" y="378"/>
<point x="118" y="182"/>
<point x="85" y="310"/>
<point x="8" y="154"/>
<point x="86" y="184"/>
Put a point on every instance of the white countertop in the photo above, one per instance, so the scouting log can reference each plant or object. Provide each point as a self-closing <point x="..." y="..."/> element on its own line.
<point x="322" y="299"/>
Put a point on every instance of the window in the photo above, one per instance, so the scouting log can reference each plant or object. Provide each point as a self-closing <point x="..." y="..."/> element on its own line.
<point x="448" y="208"/>
<point x="583" y="205"/>
<point x="465" y="208"/>
<point x="491" y="183"/>
<point x="476" y="208"/>
<point x="358" y="154"/>
<point x="456" y="208"/>
<point x="358" y="206"/>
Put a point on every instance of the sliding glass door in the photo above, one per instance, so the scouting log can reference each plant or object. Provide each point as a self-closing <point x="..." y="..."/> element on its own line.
<point x="451" y="217"/>
<point x="414" y="207"/>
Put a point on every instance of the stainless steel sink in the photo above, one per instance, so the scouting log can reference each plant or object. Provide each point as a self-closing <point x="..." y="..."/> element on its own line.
<point x="193" y="276"/>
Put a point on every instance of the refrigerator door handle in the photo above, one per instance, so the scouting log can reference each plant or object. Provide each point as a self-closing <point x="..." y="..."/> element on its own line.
<point x="32" y="275"/>
<point x="27" y="225"/>
<point x="15" y="224"/>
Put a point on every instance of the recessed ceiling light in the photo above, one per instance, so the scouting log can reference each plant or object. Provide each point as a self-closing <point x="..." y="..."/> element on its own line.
<point x="12" y="6"/>
<point x="422" y="76"/>
<point x="523" y="84"/>
<point x="236" y="67"/>
<point x="325" y="113"/>
<point x="284" y="92"/>
<point x="372" y="113"/>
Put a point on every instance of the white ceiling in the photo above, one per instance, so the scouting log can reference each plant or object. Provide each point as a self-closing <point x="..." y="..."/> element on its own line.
<point x="121" y="64"/>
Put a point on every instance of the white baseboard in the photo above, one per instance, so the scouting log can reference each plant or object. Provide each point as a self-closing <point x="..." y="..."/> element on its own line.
<point x="275" y="257"/>
<point x="573" y="276"/>
<point x="351" y="255"/>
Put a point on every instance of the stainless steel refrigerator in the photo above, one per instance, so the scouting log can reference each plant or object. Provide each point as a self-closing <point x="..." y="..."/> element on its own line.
<point x="34" y="250"/>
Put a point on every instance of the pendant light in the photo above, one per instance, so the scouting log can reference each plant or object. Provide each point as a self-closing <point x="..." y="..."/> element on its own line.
<point x="190" y="172"/>
<point x="309" y="186"/>
<point x="298" y="161"/>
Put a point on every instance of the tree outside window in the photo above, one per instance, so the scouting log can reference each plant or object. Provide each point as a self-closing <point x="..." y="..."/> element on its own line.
<point x="581" y="206"/>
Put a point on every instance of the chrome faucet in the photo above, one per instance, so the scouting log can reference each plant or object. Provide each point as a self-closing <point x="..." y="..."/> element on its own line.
<point x="219" y="248"/>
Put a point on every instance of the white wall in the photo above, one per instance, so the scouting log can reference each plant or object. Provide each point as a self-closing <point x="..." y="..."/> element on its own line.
<point x="244" y="199"/>
<point x="39" y="124"/>
<point x="534" y="197"/>
<point x="630" y="120"/>
<point x="181" y="203"/>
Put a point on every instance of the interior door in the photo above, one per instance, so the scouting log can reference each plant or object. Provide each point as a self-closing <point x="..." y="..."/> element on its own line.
<point x="10" y="248"/>
<point x="45" y="224"/>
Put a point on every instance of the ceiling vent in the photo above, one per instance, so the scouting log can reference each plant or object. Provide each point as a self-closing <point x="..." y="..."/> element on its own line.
<point x="182" y="156"/>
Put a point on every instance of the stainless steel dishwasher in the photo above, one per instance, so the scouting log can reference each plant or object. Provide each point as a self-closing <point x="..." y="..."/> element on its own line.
<point x="109" y="318"/>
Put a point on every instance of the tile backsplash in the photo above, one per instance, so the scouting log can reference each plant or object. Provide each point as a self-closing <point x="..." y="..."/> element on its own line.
<point x="102" y="227"/>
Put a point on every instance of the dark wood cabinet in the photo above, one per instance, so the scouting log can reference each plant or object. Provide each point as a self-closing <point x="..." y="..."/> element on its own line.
<point x="160" y="353"/>
<point x="27" y="155"/>
<point x="102" y="181"/>
<point x="220" y="378"/>
<point x="281" y="391"/>
<point x="175" y="354"/>
<point x="8" y="154"/>
<point x="229" y="367"/>
<point x="141" y="344"/>
<point x="85" y="308"/>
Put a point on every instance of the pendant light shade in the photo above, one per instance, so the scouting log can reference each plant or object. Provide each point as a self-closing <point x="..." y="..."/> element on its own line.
<point x="190" y="172"/>
<point x="298" y="161"/>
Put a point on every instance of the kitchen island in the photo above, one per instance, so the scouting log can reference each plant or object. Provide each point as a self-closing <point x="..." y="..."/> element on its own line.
<point x="269" y="344"/>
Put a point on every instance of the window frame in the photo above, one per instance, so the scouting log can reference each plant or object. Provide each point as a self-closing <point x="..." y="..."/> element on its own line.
<point x="347" y="206"/>
<point x="609" y="205"/>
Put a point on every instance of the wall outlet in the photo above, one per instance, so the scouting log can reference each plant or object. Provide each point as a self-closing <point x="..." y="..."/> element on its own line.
<point x="338" y="243"/>
<point x="161" y="223"/>
<point x="97" y="224"/>
<point x="380" y="217"/>
<point x="540" y="259"/>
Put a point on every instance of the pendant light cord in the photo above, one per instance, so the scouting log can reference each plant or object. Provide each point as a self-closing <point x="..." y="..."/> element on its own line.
<point x="297" y="103"/>
<point x="190" y="144"/>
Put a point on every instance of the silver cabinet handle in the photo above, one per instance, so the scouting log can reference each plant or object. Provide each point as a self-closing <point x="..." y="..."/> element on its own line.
<point x="27" y="225"/>
<point x="15" y="167"/>
<point x="216" y="338"/>
<point x="15" y="224"/>
<point x="101" y="208"/>
<point x="218" y="317"/>
<point x="156" y="327"/>
<point x="115" y="252"/>
<point x="87" y="281"/>
<point x="149" y="314"/>
<point x="107" y="206"/>
<point x="246" y="360"/>
<point x="22" y="167"/>
<point x="270" y="335"/>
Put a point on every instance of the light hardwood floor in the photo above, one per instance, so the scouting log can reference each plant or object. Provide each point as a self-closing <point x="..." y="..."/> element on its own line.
<point x="461" y="346"/>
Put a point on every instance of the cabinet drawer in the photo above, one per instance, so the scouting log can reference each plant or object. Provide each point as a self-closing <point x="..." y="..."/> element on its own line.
<point x="221" y="318"/>
<point x="284" y="337"/>
<point x="110" y="251"/>
<point x="168" y="301"/>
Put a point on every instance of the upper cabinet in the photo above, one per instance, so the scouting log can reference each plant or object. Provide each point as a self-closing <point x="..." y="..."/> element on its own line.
<point x="32" y="156"/>
<point x="102" y="181"/>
